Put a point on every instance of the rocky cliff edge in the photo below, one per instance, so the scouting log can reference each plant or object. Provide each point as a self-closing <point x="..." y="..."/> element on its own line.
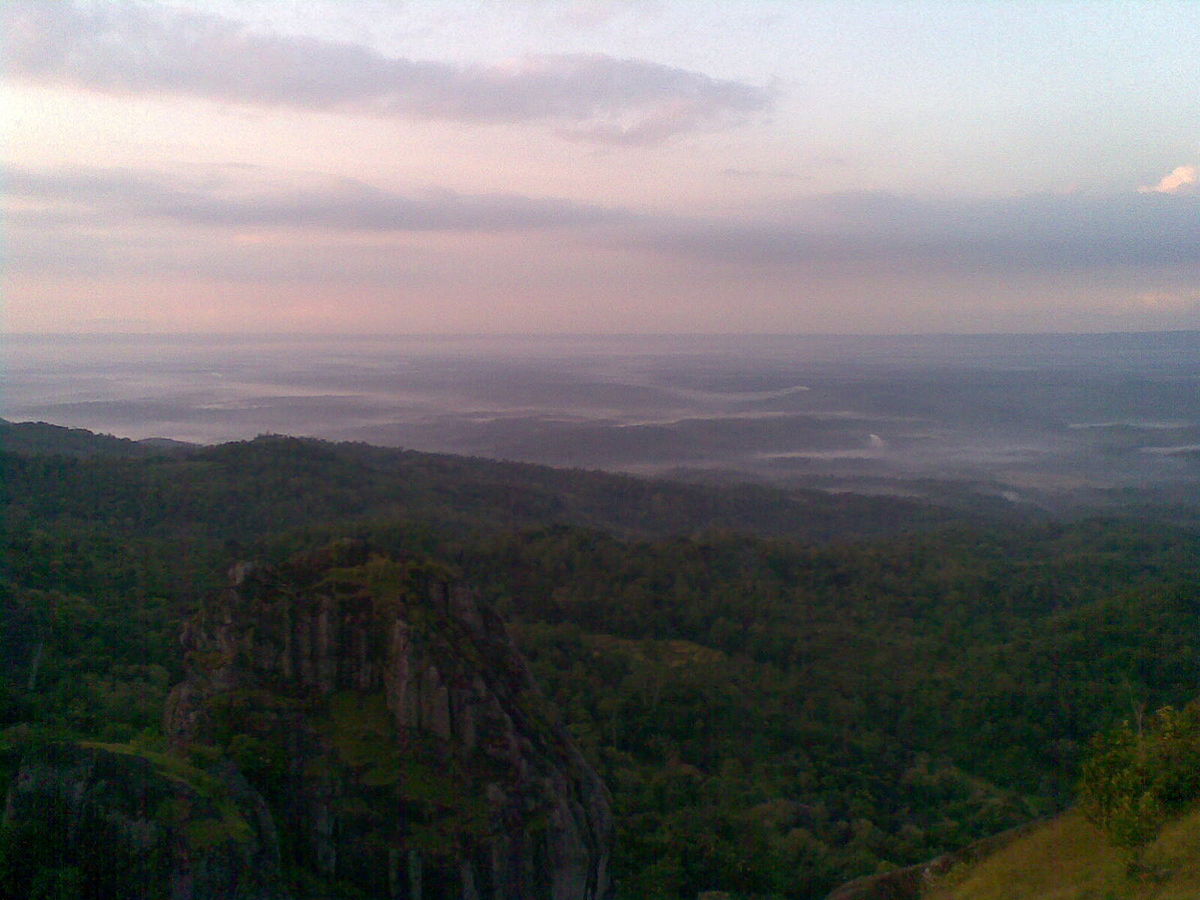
<point x="395" y="732"/>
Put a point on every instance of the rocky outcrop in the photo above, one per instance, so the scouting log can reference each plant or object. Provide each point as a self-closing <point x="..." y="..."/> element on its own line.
<point x="912" y="882"/>
<point x="900" y="884"/>
<point x="395" y="731"/>
<point x="101" y="821"/>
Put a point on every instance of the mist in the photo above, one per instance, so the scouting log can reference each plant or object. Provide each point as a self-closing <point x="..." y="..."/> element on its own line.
<point x="1038" y="420"/>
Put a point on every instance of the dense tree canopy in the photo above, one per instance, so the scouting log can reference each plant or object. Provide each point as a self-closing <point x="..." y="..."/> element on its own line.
<point x="782" y="691"/>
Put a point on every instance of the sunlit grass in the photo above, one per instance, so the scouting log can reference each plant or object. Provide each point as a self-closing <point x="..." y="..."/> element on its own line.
<point x="1070" y="859"/>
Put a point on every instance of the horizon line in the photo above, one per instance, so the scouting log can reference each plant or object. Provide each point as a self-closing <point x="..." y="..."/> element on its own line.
<point x="509" y="335"/>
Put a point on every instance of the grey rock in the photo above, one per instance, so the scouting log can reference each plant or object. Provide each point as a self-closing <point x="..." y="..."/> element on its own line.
<point x="396" y="732"/>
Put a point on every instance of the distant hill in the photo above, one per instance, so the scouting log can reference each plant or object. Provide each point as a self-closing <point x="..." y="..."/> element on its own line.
<point x="44" y="438"/>
<point x="310" y="480"/>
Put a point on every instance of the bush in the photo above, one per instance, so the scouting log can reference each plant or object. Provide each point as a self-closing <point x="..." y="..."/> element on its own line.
<point x="1136" y="779"/>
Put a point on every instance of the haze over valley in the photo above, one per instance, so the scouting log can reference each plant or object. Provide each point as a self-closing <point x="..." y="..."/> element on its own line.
<point x="1043" y="420"/>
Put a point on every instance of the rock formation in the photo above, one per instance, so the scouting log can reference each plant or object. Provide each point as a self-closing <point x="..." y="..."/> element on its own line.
<point x="112" y="821"/>
<point x="395" y="732"/>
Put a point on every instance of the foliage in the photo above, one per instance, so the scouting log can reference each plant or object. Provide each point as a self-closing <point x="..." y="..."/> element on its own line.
<point x="1135" y="779"/>
<point x="782" y="691"/>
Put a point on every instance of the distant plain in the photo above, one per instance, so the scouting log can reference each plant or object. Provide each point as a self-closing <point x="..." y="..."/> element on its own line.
<point x="1045" y="421"/>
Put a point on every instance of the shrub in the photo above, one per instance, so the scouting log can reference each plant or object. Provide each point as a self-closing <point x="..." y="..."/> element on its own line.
<point x="1135" y="779"/>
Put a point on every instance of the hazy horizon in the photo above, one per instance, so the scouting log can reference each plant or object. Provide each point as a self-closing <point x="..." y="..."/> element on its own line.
<point x="1028" y="418"/>
<point x="551" y="335"/>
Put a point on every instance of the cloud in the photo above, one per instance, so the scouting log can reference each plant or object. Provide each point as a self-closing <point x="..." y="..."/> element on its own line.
<point x="589" y="14"/>
<point x="246" y="196"/>
<point x="1179" y="180"/>
<point x="1169" y="301"/>
<point x="865" y="232"/>
<point x="124" y="48"/>
<point x="1039" y="233"/>
<point x="734" y="172"/>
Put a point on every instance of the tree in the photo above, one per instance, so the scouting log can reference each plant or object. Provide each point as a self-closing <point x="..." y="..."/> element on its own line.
<point x="1135" y="779"/>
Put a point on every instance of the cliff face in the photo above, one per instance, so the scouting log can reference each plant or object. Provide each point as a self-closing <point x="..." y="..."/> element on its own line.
<point x="395" y="732"/>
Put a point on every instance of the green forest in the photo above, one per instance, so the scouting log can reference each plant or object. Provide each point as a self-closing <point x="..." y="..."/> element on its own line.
<point x="782" y="689"/>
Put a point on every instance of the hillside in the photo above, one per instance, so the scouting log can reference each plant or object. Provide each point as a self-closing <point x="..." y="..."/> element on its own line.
<point x="64" y="472"/>
<point x="1068" y="858"/>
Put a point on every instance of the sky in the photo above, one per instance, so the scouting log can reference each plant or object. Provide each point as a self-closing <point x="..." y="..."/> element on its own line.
<point x="599" y="166"/>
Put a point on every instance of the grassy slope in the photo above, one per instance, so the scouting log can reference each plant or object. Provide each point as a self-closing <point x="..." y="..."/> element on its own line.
<point x="1069" y="859"/>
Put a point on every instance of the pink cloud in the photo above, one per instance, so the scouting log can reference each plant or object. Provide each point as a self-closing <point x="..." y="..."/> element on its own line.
<point x="1179" y="180"/>
<point x="154" y="50"/>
